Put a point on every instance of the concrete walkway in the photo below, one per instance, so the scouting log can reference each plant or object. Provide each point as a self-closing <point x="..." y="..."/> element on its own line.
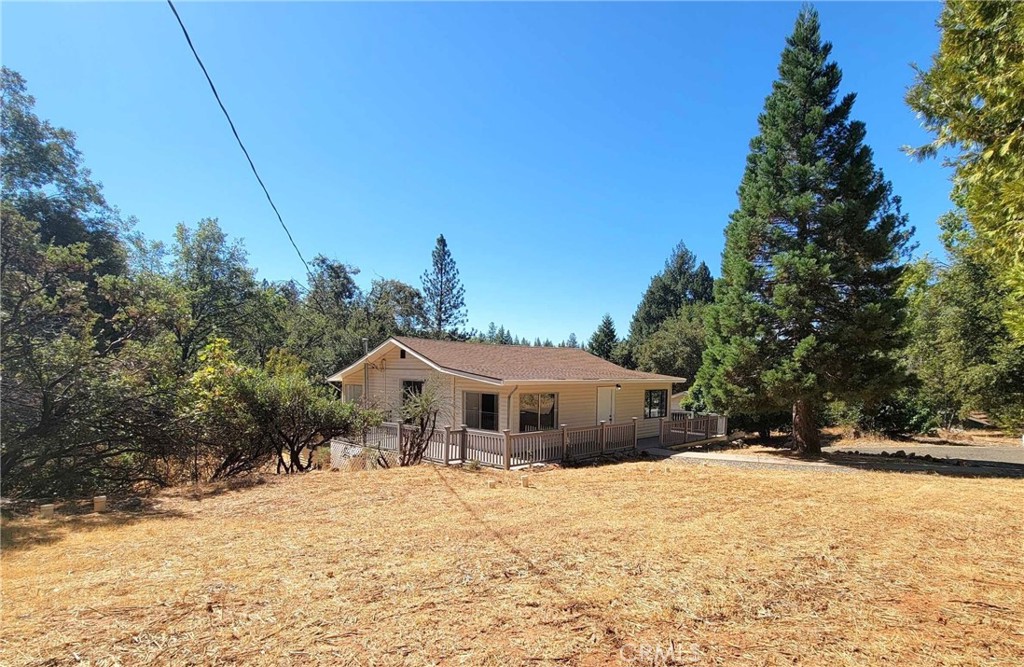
<point x="754" y="461"/>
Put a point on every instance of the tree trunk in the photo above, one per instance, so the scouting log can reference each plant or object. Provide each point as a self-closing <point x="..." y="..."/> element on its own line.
<point x="806" y="440"/>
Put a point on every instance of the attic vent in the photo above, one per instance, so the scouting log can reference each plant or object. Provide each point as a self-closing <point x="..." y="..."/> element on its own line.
<point x="401" y="354"/>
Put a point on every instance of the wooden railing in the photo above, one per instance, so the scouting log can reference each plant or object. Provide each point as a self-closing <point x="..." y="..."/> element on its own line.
<point x="698" y="429"/>
<point x="487" y="448"/>
<point x="619" y="436"/>
<point x="583" y="442"/>
<point x="536" y="447"/>
<point x="499" y="450"/>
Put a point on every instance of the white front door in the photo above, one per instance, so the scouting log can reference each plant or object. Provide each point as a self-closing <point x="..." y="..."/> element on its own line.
<point x="606" y="404"/>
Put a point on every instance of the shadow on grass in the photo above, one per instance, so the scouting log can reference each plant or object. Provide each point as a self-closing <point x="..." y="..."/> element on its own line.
<point x="213" y="489"/>
<point x="22" y="527"/>
<point x="30" y="530"/>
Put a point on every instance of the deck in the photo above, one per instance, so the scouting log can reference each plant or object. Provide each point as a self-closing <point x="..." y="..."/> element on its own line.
<point x="508" y="450"/>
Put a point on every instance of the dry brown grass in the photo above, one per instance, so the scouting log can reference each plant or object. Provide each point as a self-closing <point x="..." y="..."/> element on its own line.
<point x="593" y="566"/>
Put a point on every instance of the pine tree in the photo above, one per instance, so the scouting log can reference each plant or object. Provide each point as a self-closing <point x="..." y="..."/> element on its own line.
<point x="443" y="296"/>
<point x="702" y="288"/>
<point x="676" y="285"/>
<point x="602" y="343"/>
<point x="572" y="342"/>
<point x="807" y="309"/>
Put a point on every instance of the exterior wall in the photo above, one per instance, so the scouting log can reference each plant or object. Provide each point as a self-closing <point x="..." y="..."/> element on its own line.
<point x="577" y="404"/>
<point x="577" y="401"/>
<point x="385" y="386"/>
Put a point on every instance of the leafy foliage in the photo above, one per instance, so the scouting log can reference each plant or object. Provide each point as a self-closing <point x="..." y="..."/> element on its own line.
<point x="961" y="348"/>
<point x="972" y="100"/>
<point x="677" y="346"/>
<point x="116" y="368"/>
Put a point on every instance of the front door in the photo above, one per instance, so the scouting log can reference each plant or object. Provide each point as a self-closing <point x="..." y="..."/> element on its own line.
<point x="606" y="404"/>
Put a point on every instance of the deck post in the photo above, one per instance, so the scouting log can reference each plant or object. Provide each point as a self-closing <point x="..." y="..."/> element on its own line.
<point x="634" y="433"/>
<point x="707" y="428"/>
<point x="661" y="432"/>
<point x="508" y="449"/>
<point x="604" y="424"/>
<point x="565" y="443"/>
<point x="447" y="443"/>
<point x="462" y="442"/>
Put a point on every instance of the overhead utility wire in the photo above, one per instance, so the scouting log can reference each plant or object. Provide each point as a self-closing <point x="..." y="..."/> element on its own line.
<point x="241" y="145"/>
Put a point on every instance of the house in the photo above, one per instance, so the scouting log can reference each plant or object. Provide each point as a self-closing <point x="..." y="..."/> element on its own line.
<point x="518" y="388"/>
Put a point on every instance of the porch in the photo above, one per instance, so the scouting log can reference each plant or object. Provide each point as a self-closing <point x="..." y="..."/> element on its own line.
<point x="509" y="450"/>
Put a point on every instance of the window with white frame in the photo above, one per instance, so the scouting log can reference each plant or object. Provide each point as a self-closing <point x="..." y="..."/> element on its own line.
<point x="480" y="410"/>
<point x="538" y="412"/>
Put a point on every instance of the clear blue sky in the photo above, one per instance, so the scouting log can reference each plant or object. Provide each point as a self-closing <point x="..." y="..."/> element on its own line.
<point x="563" y="149"/>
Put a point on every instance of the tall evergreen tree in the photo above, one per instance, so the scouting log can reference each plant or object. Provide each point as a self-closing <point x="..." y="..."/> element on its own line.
<point x="702" y="290"/>
<point x="571" y="341"/>
<point x="443" y="296"/>
<point x="602" y="343"/>
<point x="808" y="308"/>
<point x="680" y="282"/>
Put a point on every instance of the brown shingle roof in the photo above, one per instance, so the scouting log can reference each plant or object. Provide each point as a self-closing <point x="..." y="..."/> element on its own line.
<point x="522" y="363"/>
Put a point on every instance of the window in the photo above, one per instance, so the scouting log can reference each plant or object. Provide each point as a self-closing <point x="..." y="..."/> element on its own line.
<point x="655" y="403"/>
<point x="353" y="392"/>
<point x="411" y="388"/>
<point x="538" y="412"/>
<point x="401" y="354"/>
<point x="481" y="410"/>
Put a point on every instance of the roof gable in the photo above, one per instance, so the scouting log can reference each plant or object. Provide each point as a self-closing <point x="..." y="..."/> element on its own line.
<point x="499" y="364"/>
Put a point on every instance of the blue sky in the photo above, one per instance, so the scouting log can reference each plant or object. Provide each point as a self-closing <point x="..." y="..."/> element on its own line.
<point x="562" y="149"/>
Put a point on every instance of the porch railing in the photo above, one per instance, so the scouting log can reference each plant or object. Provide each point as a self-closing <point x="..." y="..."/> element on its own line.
<point x="697" y="429"/>
<point x="496" y="449"/>
<point x="508" y="450"/>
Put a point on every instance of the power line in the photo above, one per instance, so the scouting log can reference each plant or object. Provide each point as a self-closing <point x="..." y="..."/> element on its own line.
<point x="238" y="138"/>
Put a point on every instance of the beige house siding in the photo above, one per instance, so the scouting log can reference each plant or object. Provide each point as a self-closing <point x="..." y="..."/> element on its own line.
<point x="577" y="401"/>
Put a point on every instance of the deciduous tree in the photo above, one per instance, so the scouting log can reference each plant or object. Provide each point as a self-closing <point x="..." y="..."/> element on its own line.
<point x="972" y="100"/>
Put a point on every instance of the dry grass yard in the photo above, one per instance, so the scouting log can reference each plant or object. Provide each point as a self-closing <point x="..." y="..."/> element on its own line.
<point x="639" y="563"/>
